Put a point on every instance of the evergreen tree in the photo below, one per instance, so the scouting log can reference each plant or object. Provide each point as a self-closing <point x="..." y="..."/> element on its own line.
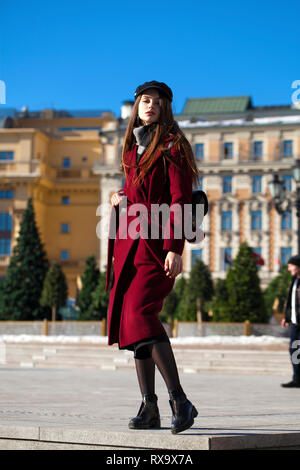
<point x="169" y="308"/>
<point x="219" y="302"/>
<point x="55" y="290"/>
<point x="277" y="289"/>
<point x="89" y="280"/>
<point x="100" y="299"/>
<point x="245" y="300"/>
<point x="179" y="289"/>
<point x="22" y="287"/>
<point x="283" y="286"/>
<point x="199" y="289"/>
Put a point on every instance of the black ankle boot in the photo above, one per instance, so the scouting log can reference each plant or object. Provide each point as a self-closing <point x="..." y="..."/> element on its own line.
<point x="183" y="411"/>
<point x="148" y="415"/>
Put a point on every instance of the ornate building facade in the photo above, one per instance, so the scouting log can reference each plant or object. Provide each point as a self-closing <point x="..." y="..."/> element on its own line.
<point x="49" y="156"/>
<point x="238" y="147"/>
<point x="68" y="162"/>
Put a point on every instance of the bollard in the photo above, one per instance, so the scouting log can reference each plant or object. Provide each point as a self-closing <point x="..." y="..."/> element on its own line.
<point x="45" y="327"/>
<point x="175" y="328"/>
<point x="247" y="328"/>
<point x="103" y="327"/>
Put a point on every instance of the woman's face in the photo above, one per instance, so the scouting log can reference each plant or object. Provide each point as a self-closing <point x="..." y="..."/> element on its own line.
<point x="149" y="107"/>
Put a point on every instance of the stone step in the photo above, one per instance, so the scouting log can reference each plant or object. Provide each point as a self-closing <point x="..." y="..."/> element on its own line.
<point x="278" y="369"/>
<point x="129" y="362"/>
<point x="69" y="350"/>
<point x="187" y="367"/>
<point x="111" y="358"/>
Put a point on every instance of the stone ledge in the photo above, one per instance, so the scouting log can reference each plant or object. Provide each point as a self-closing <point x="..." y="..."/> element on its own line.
<point x="51" y="437"/>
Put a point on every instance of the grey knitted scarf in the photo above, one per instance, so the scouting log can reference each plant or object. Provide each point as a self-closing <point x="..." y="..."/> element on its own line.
<point x="143" y="136"/>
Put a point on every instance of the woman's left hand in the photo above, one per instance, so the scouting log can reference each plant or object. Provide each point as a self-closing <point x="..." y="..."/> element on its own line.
<point x="173" y="264"/>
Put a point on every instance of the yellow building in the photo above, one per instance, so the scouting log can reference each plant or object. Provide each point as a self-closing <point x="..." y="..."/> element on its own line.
<point x="49" y="155"/>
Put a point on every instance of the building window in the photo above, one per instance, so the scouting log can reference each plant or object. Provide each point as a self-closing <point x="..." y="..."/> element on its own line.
<point x="65" y="200"/>
<point x="4" y="156"/>
<point x="226" y="259"/>
<point x="256" y="220"/>
<point x="258" y="150"/>
<point x="287" y="182"/>
<point x="65" y="228"/>
<point x="227" y="184"/>
<point x="199" y="186"/>
<point x="5" y="233"/>
<point x="286" y="220"/>
<point x="5" y="246"/>
<point x="287" y="148"/>
<point x="196" y="254"/>
<point x="64" y="255"/>
<point x="6" y="194"/>
<point x="226" y="220"/>
<point x="5" y="222"/>
<point x="285" y="254"/>
<point x="256" y="184"/>
<point x="66" y="162"/>
<point x="228" y="150"/>
<point x="199" y="151"/>
<point x="258" y="257"/>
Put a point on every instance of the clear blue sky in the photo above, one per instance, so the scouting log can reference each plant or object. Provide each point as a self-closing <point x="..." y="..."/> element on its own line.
<point x="93" y="54"/>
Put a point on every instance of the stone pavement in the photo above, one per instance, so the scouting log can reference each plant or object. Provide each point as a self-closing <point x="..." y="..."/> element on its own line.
<point x="74" y="408"/>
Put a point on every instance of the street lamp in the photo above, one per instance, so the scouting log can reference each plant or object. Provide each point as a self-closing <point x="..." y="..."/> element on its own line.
<point x="278" y="194"/>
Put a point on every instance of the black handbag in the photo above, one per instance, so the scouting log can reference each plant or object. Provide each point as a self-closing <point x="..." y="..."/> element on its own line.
<point x="198" y="197"/>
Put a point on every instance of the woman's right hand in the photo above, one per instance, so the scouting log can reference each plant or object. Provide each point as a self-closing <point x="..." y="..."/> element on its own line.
<point x="117" y="197"/>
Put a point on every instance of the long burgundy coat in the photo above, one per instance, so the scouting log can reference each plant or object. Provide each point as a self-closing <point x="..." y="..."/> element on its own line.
<point x="139" y="282"/>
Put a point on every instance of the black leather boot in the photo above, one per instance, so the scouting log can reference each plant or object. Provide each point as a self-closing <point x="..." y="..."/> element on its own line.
<point x="148" y="416"/>
<point x="183" y="411"/>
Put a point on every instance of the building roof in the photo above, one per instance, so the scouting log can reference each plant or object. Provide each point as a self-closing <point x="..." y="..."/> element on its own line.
<point x="7" y="112"/>
<point x="6" y="123"/>
<point x="236" y="104"/>
<point x="54" y="114"/>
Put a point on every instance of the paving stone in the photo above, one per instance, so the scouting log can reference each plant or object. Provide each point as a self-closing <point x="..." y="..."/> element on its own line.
<point x="76" y="408"/>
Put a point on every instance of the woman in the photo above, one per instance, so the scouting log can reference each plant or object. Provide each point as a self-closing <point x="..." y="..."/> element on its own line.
<point x="159" y="167"/>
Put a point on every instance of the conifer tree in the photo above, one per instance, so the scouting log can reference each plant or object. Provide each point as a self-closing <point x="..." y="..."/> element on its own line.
<point x="179" y="289"/>
<point x="245" y="300"/>
<point x="100" y="299"/>
<point x="219" y="301"/>
<point x="55" y="290"/>
<point x="23" y="284"/>
<point x="277" y="289"/>
<point x="89" y="280"/>
<point x="199" y="289"/>
<point x="168" y="311"/>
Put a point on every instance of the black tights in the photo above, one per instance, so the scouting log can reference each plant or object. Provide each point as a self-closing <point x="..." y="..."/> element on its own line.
<point x="161" y="356"/>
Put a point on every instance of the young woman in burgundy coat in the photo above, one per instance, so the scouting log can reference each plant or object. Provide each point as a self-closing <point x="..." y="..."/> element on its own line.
<point x="145" y="268"/>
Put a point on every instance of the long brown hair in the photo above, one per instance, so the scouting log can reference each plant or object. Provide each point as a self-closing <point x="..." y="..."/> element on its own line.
<point x="166" y="127"/>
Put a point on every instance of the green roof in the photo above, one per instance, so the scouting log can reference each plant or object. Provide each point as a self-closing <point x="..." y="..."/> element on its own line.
<point x="236" y="104"/>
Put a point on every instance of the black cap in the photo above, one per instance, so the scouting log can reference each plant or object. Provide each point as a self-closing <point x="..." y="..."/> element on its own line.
<point x="294" y="260"/>
<point x="162" y="87"/>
